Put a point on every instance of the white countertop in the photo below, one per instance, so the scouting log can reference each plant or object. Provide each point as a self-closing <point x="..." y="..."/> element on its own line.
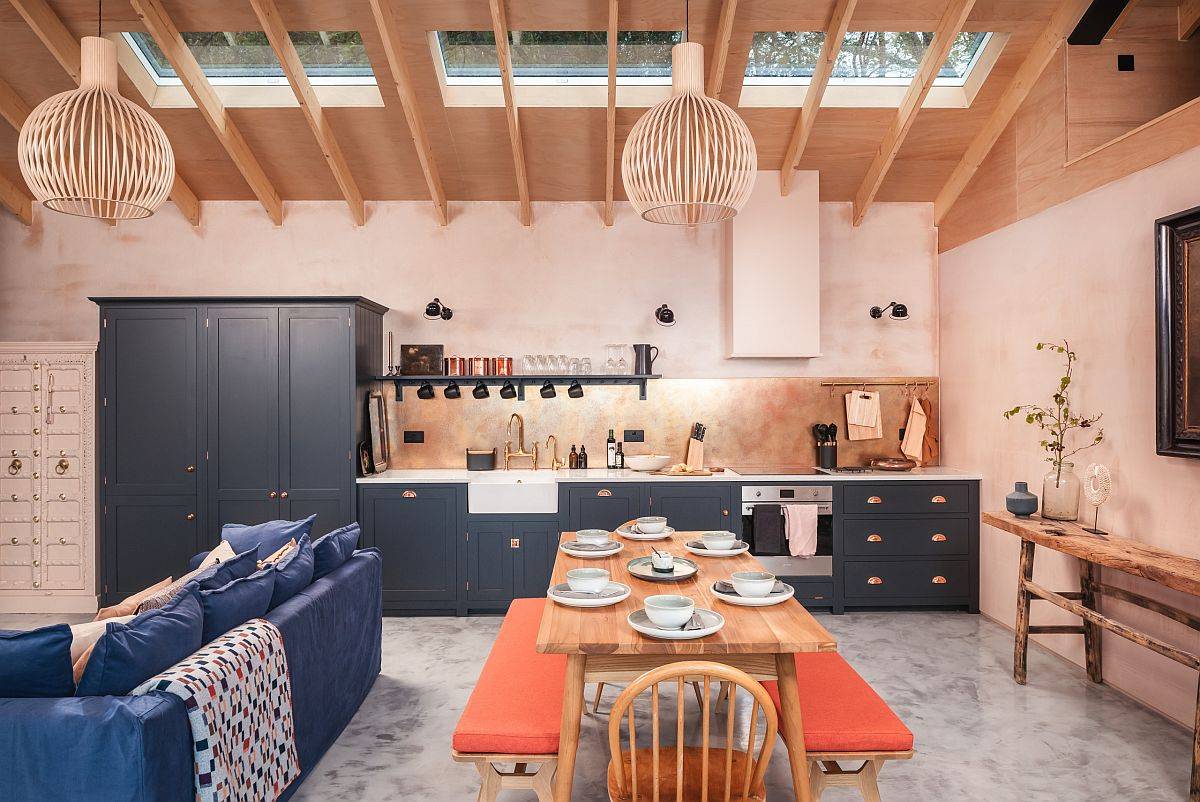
<point x="462" y="476"/>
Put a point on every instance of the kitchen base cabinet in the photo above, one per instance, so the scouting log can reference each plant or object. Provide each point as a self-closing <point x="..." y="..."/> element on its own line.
<point x="693" y="506"/>
<point x="144" y="533"/>
<point x="601" y="506"/>
<point x="418" y="530"/>
<point x="507" y="557"/>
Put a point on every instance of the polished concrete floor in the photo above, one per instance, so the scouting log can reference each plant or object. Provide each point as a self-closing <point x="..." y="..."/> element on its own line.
<point x="979" y="736"/>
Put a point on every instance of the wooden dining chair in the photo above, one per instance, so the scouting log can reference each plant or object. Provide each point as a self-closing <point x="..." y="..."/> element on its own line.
<point x="701" y="773"/>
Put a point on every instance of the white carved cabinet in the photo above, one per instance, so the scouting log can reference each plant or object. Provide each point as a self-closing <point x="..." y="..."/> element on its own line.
<point x="47" y="477"/>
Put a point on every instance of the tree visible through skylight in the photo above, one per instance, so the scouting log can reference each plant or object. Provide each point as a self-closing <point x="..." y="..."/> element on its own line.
<point x="248" y="54"/>
<point x="558" y="54"/>
<point x="865" y="56"/>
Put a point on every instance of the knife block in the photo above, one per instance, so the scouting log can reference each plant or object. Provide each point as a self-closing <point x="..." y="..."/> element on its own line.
<point x="695" y="454"/>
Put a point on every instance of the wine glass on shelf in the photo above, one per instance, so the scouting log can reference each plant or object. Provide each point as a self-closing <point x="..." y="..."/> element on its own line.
<point x="585" y="366"/>
<point x="610" y="364"/>
<point x="528" y="364"/>
<point x="622" y="362"/>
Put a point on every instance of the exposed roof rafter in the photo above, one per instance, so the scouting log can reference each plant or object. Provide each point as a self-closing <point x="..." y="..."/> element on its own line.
<point x="65" y="48"/>
<point x="289" y="60"/>
<point x="720" y="49"/>
<point x="1189" y="18"/>
<point x="389" y="33"/>
<point x="16" y="200"/>
<point x="948" y="28"/>
<point x="504" y="57"/>
<point x="835" y="32"/>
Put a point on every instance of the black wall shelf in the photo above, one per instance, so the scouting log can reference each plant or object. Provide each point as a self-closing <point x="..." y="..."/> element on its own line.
<point x="520" y="382"/>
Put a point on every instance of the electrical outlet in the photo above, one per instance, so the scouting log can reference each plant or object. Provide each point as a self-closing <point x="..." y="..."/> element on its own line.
<point x="1125" y="62"/>
<point x="414" y="436"/>
<point x="635" y="435"/>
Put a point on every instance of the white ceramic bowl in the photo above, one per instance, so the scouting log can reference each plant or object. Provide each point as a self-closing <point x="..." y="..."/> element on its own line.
<point x="752" y="584"/>
<point x="647" y="462"/>
<point x="718" y="540"/>
<point x="651" y="524"/>
<point x="597" y="536"/>
<point x="588" y="580"/>
<point x="669" y="610"/>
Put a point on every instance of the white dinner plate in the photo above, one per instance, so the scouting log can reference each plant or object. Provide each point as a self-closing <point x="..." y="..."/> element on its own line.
<point x="593" y="555"/>
<point x="643" y="568"/>
<point x="713" y="621"/>
<point x="597" y="602"/>
<point x="630" y="533"/>
<point x="754" y="601"/>
<point x="718" y="552"/>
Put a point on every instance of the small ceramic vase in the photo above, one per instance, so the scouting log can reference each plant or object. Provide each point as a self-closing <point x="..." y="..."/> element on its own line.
<point x="1021" y="502"/>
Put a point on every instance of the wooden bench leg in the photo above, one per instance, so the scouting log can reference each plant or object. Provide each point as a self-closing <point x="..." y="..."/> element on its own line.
<point x="543" y="781"/>
<point x="1088" y="581"/>
<point x="568" y="738"/>
<point x="1194" y="793"/>
<point x="868" y="780"/>
<point x="599" y="693"/>
<point x="1021" y="652"/>
<point x="489" y="789"/>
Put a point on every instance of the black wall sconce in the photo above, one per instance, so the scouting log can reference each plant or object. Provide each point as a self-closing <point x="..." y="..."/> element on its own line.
<point x="480" y="391"/>
<point x="435" y="310"/>
<point x="664" y="316"/>
<point x="452" y="390"/>
<point x="898" y="311"/>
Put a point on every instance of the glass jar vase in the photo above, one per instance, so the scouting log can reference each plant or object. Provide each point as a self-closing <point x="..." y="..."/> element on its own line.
<point x="1060" y="493"/>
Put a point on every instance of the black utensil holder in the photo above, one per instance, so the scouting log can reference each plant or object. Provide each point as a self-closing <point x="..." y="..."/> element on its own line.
<point x="827" y="456"/>
<point x="480" y="460"/>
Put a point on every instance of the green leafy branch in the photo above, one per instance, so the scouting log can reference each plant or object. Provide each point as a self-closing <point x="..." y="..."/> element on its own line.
<point x="1058" y="421"/>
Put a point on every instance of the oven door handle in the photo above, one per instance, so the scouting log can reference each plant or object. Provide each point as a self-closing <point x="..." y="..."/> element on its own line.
<point x="823" y="508"/>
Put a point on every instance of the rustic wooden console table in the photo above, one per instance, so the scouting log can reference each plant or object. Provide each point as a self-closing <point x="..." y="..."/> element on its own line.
<point x="1096" y="552"/>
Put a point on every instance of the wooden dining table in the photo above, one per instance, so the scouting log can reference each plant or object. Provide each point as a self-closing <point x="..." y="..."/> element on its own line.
<point x="601" y="646"/>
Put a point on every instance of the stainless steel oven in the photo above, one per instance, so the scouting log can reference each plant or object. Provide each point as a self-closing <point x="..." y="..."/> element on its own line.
<point x="764" y="502"/>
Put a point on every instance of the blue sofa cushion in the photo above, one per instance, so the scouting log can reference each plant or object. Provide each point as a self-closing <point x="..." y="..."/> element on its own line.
<point x="36" y="663"/>
<point x="333" y="549"/>
<point x="221" y="574"/>
<point x="236" y="603"/>
<point x="267" y="537"/>
<point x="129" y="654"/>
<point x="293" y="573"/>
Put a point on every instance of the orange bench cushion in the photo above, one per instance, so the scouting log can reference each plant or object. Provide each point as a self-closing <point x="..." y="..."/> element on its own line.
<point x="840" y="711"/>
<point x="516" y="707"/>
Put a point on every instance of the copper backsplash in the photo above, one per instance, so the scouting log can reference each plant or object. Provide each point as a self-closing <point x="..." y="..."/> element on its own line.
<point x="765" y="421"/>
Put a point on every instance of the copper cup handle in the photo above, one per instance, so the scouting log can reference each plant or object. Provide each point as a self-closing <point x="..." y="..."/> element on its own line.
<point x="938" y="538"/>
<point x="605" y="493"/>
<point x="874" y="500"/>
<point x="938" y="500"/>
<point x="875" y="581"/>
<point x="409" y="494"/>
<point x="939" y="580"/>
<point x="874" y="538"/>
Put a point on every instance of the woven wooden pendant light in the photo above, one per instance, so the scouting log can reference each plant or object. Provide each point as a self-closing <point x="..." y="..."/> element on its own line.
<point x="690" y="159"/>
<point x="92" y="153"/>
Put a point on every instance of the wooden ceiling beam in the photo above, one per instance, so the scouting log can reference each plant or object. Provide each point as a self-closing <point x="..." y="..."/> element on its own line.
<point x="16" y="200"/>
<point x="1189" y="18"/>
<point x="610" y="135"/>
<point x="13" y="107"/>
<point x="166" y="35"/>
<point x="1062" y="22"/>
<point x="504" y="57"/>
<point x="293" y="68"/>
<point x="1121" y="19"/>
<point x="720" y="49"/>
<point x="53" y="33"/>
<point x="835" y="32"/>
<point x="947" y="29"/>
<point x="389" y="33"/>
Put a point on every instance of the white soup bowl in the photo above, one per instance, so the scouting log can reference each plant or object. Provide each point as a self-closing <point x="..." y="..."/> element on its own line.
<point x="587" y="580"/>
<point x="753" y="584"/>
<point x="669" y="610"/>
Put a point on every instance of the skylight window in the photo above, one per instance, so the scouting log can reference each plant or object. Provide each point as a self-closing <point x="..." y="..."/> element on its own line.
<point x="557" y="57"/>
<point x="246" y="57"/>
<point x="865" y="57"/>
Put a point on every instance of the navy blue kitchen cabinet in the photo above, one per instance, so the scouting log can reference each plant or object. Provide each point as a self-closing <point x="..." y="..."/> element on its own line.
<point x="537" y="546"/>
<point x="141" y="534"/>
<point x="490" y="547"/>
<point x="693" y="506"/>
<point x="508" y="557"/>
<point x="601" y="505"/>
<point x="248" y="409"/>
<point x="418" y="529"/>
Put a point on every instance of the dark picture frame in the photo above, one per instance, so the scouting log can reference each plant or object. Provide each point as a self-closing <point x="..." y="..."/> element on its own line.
<point x="377" y="420"/>
<point x="1177" y="309"/>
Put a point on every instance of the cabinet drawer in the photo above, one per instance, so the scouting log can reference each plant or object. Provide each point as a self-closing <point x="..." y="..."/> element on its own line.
<point x="905" y="497"/>
<point x="813" y="591"/>
<point x="927" y="580"/>
<point x="900" y="537"/>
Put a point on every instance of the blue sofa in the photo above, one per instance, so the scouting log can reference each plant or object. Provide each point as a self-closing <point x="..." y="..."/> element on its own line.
<point x="139" y="748"/>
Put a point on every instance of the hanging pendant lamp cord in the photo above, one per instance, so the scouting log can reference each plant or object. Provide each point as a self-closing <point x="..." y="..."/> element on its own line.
<point x="687" y="10"/>
<point x="99" y="17"/>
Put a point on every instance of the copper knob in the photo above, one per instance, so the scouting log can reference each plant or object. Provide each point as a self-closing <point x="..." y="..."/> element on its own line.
<point x="283" y="494"/>
<point x="272" y="494"/>
<point x="190" y="469"/>
<point x="191" y="516"/>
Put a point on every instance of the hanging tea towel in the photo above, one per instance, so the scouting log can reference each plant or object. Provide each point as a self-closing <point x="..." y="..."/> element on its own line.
<point x="914" y="432"/>
<point x="860" y="432"/>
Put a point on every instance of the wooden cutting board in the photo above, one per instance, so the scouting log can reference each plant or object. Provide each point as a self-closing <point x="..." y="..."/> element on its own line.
<point x="697" y="472"/>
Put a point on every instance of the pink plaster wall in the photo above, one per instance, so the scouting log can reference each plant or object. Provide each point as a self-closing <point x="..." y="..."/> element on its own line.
<point x="566" y="285"/>
<point x="1083" y="270"/>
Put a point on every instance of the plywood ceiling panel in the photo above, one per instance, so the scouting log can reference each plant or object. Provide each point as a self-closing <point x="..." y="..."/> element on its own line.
<point x="564" y="147"/>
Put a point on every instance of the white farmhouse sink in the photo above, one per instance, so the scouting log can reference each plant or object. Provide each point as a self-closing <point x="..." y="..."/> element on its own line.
<point x="513" y="492"/>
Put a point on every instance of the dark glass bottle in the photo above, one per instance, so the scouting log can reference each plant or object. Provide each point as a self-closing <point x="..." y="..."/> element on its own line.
<point x="611" y="449"/>
<point x="620" y="455"/>
<point x="573" y="458"/>
<point x="583" y="456"/>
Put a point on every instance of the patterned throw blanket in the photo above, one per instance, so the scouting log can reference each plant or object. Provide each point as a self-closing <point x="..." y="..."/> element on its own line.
<point x="239" y="704"/>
